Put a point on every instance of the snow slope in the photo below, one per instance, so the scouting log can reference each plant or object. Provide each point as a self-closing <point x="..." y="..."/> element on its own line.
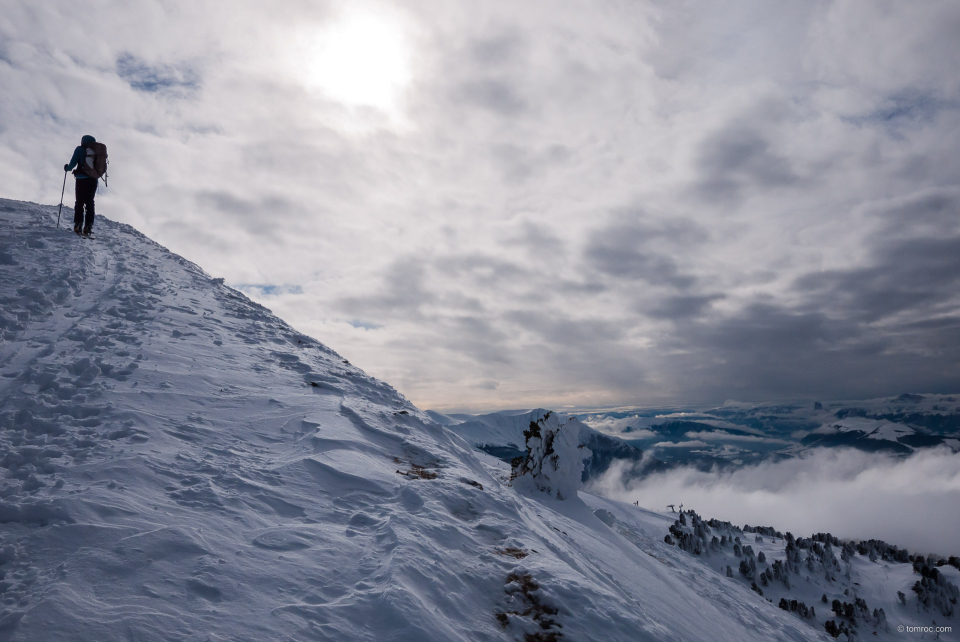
<point x="179" y="464"/>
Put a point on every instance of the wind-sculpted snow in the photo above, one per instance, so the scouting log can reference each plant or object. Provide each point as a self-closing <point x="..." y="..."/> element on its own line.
<point x="179" y="464"/>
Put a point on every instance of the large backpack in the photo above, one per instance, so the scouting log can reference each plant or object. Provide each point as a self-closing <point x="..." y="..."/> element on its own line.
<point x="95" y="163"/>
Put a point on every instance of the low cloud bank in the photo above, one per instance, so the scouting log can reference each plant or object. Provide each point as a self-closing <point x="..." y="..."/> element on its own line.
<point x="723" y="435"/>
<point x="616" y="425"/>
<point x="912" y="502"/>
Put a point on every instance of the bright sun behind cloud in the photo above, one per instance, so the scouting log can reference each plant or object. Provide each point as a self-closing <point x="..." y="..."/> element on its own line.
<point x="361" y="58"/>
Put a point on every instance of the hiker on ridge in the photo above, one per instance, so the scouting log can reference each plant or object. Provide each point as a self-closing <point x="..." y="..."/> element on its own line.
<point x="87" y="181"/>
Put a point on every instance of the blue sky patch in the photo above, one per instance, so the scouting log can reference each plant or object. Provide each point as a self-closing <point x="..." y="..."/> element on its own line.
<point x="365" y="325"/>
<point x="266" y="289"/>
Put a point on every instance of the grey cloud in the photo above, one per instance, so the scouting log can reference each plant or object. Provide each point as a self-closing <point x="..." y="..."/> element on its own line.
<point x="477" y="337"/>
<point x="773" y="352"/>
<point x="489" y="72"/>
<point x="623" y="250"/>
<point x="930" y="213"/>
<point x="739" y="157"/>
<point x="497" y="50"/>
<point x="887" y="324"/>
<point x="626" y="261"/>
<point x="557" y="329"/>
<point x="913" y="265"/>
<point x="766" y="352"/>
<point x="172" y="80"/>
<point x="403" y="293"/>
<point x="481" y="269"/>
<point x="493" y="94"/>
<point x="519" y="164"/>
<point x="586" y="349"/>
<point x="232" y="204"/>
<point x="680" y="307"/>
<point x="588" y="287"/>
<point x="245" y="213"/>
<point x="764" y="329"/>
<point x="911" y="275"/>
<point x="622" y="369"/>
<point x="534" y="236"/>
<point x="452" y="284"/>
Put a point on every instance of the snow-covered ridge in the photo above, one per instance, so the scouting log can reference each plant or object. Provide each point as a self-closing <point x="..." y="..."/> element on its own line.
<point x="501" y="434"/>
<point x="179" y="464"/>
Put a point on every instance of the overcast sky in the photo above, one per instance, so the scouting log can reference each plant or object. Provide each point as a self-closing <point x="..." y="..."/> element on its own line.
<point x="540" y="203"/>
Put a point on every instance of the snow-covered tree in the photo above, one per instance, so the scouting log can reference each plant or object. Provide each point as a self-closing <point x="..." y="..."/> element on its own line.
<point x="880" y="619"/>
<point x="554" y="460"/>
<point x="934" y="590"/>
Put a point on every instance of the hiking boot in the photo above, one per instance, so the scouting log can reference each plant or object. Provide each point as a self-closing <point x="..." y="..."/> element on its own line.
<point x="76" y="228"/>
<point x="87" y="231"/>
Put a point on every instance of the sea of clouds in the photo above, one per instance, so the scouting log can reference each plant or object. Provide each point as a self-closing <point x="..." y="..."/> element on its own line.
<point x="913" y="502"/>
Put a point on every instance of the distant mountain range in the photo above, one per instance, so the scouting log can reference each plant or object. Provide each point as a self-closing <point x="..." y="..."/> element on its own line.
<point x="734" y="434"/>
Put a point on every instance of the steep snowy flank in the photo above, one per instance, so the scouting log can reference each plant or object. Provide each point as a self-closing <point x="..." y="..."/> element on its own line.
<point x="179" y="464"/>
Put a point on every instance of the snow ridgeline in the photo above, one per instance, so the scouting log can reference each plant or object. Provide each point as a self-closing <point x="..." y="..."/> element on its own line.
<point x="179" y="464"/>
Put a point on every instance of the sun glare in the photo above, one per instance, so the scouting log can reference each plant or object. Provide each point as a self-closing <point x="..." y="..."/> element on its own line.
<point x="361" y="58"/>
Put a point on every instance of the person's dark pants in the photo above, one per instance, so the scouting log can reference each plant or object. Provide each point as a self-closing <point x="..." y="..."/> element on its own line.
<point x="86" y="190"/>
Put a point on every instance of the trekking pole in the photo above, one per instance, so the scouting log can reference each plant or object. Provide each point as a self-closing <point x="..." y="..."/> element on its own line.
<point x="62" y="191"/>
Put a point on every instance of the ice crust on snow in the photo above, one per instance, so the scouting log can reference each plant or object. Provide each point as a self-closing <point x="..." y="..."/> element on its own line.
<point x="180" y="464"/>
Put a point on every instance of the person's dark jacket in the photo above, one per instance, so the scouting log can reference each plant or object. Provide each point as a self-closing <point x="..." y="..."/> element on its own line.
<point x="79" y="155"/>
